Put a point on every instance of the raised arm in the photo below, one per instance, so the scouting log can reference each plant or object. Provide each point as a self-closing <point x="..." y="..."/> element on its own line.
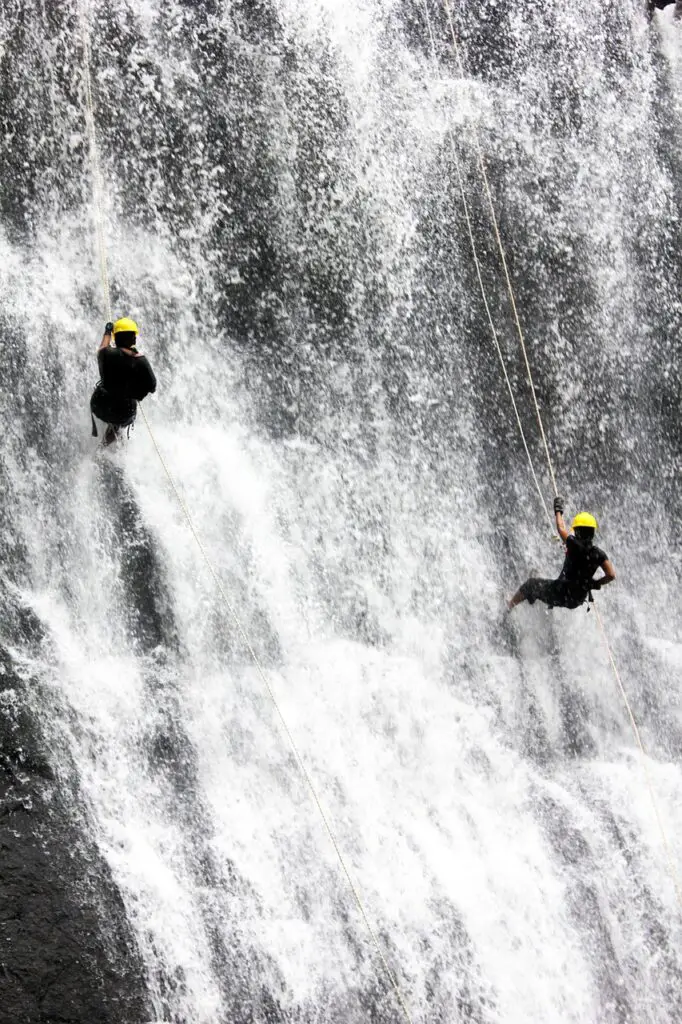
<point x="559" y="517"/>
<point x="106" y="337"/>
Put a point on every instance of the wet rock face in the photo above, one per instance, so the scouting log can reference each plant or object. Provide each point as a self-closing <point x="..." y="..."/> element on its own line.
<point x="66" y="953"/>
<point x="57" y="965"/>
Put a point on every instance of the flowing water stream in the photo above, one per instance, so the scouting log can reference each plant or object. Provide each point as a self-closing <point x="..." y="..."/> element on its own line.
<point x="283" y="219"/>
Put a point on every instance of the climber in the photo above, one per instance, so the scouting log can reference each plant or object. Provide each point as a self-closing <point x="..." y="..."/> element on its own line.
<point x="125" y="379"/>
<point x="583" y="558"/>
<point x="651" y="6"/>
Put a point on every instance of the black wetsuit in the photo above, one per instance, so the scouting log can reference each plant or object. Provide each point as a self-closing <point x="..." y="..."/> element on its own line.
<point x="573" y="584"/>
<point x="125" y="380"/>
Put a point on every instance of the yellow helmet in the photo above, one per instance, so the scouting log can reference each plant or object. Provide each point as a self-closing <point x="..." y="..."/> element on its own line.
<point x="584" y="519"/>
<point x="126" y="324"/>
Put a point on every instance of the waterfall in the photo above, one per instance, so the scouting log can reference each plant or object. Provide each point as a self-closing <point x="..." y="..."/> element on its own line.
<point x="283" y="219"/>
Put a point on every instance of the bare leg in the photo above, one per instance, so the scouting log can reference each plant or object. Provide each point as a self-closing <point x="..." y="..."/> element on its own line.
<point x="516" y="599"/>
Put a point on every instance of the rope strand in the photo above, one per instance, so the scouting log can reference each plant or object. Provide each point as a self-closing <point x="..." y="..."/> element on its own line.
<point x="503" y="258"/>
<point x="97" y="182"/>
<point x="326" y="821"/>
<point x="635" y="729"/>
<point x="672" y="866"/>
<point x="285" y="727"/>
<point x="484" y="297"/>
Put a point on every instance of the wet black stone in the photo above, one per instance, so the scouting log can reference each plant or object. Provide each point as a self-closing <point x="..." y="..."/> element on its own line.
<point x="66" y="952"/>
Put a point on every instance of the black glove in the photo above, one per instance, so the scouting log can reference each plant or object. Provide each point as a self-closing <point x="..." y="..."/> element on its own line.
<point x="595" y="584"/>
<point x="108" y="328"/>
<point x="559" y="504"/>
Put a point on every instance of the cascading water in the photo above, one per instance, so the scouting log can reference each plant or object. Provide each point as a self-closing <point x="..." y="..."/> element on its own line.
<point x="283" y="219"/>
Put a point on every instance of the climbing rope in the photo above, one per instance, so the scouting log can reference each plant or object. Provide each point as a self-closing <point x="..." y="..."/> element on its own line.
<point x="672" y="867"/>
<point x="97" y="184"/>
<point x="98" y="192"/>
<point x="484" y="296"/>
<point x="503" y="257"/>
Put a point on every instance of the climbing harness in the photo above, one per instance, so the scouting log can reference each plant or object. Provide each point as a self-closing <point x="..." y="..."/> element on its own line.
<point x="99" y="222"/>
<point x="519" y="330"/>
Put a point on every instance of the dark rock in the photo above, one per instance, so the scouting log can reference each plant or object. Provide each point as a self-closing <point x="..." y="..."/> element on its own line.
<point x="66" y="952"/>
